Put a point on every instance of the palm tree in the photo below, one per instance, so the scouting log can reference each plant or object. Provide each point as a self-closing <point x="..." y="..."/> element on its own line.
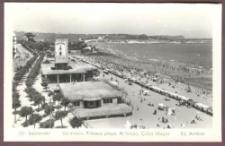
<point x="16" y="104"/>
<point x="59" y="115"/>
<point x="25" y="111"/>
<point x="34" y="118"/>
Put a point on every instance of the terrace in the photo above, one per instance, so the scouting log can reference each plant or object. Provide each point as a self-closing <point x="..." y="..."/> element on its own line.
<point x="106" y="111"/>
<point x="75" y="72"/>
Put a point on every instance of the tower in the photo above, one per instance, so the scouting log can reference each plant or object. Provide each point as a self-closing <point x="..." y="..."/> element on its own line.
<point x="61" y="53"/>
<point x="61" y="48"/>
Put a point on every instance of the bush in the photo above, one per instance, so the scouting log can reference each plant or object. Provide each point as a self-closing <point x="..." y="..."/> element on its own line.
<point x="76" y="123"/>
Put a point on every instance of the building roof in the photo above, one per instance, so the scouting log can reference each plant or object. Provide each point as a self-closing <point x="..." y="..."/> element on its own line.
<point x="61" y="40"/>
<point x="61" y="60"/>
<point x="91" y="90"/>
<point x="46" y="69"/>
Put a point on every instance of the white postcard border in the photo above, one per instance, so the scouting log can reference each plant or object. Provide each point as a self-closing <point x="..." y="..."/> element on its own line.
<point x="151" y="135"/>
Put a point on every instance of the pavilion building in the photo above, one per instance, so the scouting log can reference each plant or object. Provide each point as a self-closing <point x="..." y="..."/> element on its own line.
<point x="96" y="99"/>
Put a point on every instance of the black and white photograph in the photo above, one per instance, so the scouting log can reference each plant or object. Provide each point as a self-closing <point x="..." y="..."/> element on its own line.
<point x="132" y="71"/>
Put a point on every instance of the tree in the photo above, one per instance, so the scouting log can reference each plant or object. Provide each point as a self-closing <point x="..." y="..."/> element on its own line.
<point x="44" y="83"/>
<point x="59" y="115"/>
<point x="25" y="111"/>
<point x="57" y="97"/>
<point x="16" y="104"/>
<point x="15" y="93"/>
<point x="38" y="100"/>
<point x="30" y="36"/>
<point x="65" y="102"/>
<point x="34" y="118"/>
<point x="143" y="36"/>
<point x="49" y="109"/>
<point x="75" y="122"/>
<point x="50" y="93"/>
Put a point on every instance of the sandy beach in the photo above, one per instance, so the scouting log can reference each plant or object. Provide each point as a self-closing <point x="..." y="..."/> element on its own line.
<point x="146" y="112"/>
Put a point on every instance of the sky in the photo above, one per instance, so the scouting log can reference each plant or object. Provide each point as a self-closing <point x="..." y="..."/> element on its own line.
<point x="189" y="20"/>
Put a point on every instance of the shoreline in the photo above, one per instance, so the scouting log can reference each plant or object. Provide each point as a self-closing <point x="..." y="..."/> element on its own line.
<point x="110" y="47"/>
<point x="193" y="74"/>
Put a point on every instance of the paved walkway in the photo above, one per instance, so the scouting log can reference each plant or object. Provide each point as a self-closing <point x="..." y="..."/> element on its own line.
<point x="21" y="57"/>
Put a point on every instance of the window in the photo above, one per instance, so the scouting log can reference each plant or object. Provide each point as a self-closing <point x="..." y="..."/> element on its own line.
<point x="76" y="77"/>
<point x="76" y="103"/>
<point x="120" y="100"/>
<point x="108" y="100"/>
<point x="92" y="104"/>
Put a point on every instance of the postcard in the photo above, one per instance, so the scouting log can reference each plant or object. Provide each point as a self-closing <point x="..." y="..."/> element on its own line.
<point x="118" y="72"/>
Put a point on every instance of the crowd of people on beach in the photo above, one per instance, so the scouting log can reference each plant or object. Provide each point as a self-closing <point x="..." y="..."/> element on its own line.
<point x="129" y="71"/>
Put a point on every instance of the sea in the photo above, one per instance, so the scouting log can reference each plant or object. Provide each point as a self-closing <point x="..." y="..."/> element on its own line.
<point x="198" y="54"/>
